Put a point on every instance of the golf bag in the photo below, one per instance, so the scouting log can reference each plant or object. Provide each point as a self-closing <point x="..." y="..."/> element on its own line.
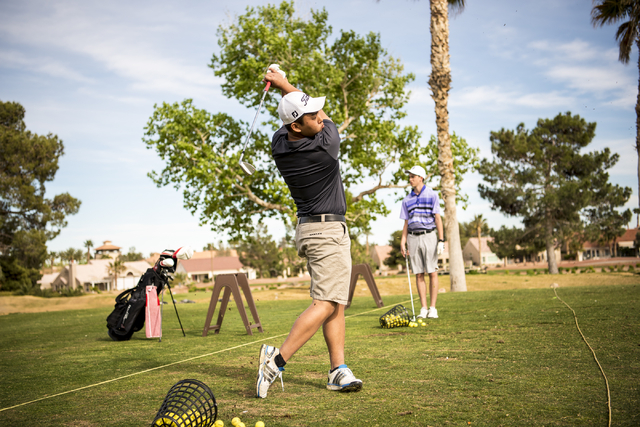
<point x="128" y="315"/>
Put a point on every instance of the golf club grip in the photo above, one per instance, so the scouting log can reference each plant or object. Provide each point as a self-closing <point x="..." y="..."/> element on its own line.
<point x="266" y="88"/>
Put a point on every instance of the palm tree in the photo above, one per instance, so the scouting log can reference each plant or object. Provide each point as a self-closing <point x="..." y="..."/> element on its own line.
<point x="88" y="244"/>
<point x="52" y="255"/>
<point x="613" y="11"/>
<point x="440" y="83"/>
<point x="115" y="268"/>
<point x="478" y="223"/>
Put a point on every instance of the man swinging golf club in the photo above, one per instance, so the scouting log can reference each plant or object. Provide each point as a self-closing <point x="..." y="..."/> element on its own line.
<point x="306" y="151"/>
<point x="421" y="214"/>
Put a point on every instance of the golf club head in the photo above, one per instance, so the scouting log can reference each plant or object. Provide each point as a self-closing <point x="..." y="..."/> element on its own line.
<point x="247" y="168"/>
<point x="167" y="263"/>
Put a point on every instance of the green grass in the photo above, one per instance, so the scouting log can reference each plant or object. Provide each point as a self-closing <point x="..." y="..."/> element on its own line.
<point x="505" y="357"/>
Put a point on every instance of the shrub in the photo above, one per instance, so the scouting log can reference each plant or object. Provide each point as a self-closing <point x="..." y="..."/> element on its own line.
<point x="590" y="269"/>
<point x="506" y="272"/>
<point x="561" y="270"/>
<point x="631" y="269"/>
<point x="531" y="272"/>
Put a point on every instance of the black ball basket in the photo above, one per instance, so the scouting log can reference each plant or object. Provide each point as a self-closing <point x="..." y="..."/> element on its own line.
<point x="189" y="403"/>
<point x="397" y="316"/>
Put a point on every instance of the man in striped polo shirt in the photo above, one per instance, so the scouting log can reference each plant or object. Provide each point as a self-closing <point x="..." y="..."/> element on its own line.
<point x="421" y="214"/>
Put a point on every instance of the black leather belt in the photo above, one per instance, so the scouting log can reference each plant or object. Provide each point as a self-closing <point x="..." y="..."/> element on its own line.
<point x="421" y="232"/>
<point x="321" y="218"/>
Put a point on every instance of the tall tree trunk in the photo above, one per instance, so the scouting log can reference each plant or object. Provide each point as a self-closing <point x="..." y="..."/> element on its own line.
<point x="440" y="83"/>
<point x="480" y="244"/>
<point x="638" y="135"/>
<point x="551" y="248"/>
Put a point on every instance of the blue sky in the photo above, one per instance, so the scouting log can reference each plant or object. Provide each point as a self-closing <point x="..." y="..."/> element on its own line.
<point x="90" y="72"/>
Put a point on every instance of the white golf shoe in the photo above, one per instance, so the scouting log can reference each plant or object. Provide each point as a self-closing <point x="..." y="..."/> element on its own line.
<point x="342" y="379"/>
<point x="424" y="312"/>
<point x="268" y="371"/>
<point x="433" y="313"/>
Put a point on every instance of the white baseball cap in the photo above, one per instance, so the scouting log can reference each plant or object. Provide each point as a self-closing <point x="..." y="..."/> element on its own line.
<point x="417" y="170"/>
<point x="294" y="104"/>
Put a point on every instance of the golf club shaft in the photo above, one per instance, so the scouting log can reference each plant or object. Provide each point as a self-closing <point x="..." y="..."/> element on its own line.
<point x="266" y="89"/>
<point x="176" y="308"/>
<point x="410" y="290"/>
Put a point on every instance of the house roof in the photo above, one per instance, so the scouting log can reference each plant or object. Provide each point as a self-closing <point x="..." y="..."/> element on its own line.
<point x="485" y="246"/>
<point x="107" y="246"/>
<point x="628" y="236"/>
<point x="222" y="263"/>
<point x="48" y="278"/>
<point x="380" y="252"/>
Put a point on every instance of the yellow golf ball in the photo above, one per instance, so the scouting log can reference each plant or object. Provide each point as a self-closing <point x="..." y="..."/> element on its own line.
<point x="259" y="424"/>
<point x="235" y="421"/>
<point x="219" y="423"/>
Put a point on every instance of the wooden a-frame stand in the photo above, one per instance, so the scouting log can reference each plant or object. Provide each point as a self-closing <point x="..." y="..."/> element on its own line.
<point x="365" y="271"/>
<point x="232" y="284"/>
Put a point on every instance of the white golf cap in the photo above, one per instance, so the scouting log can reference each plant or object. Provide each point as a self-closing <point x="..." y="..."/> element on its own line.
<point x="417" y="170"/>
<point x="294" y="104"/>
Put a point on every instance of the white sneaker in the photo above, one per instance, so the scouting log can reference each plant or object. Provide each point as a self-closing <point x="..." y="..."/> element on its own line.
<point x="424" y="312"/>
<point x="433" y="313"/>
<point x="268" y="371"/>
<point x="342" y="379"/>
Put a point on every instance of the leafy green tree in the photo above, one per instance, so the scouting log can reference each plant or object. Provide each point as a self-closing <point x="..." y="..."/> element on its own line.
<point x="360" y="254"/>
<point x="466" y="160"/>
<point x="604" y="223"/>
<point x="542" y="176"/>
<point x="260" y="251"/>
<point x="132" y="255"/>
<point x="27" y="218"/>
<point x="607" y="12"/>
<point x="366" y="94"/>
<point x="514" y="243"/>
<point x="395" y="257"/>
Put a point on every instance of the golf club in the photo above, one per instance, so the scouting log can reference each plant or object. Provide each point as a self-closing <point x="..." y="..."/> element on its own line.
<point x="413" y="319"/>
<point x="248" y="168"/>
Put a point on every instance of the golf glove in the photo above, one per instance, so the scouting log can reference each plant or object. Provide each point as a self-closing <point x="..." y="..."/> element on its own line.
<point x="276" y="69"/>
<point x="440" y="247"/>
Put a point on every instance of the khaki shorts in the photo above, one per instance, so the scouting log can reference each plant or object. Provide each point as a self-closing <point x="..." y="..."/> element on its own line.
<point x="423" y="252"/>
<point x="327" y="247"/>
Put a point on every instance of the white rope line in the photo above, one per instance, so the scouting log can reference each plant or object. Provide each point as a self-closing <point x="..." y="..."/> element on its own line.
<point x="594" y="355"/>
<point x="163" y="366"/>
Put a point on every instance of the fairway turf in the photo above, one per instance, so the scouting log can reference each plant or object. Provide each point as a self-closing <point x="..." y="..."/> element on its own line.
<point x="505" y="357"/>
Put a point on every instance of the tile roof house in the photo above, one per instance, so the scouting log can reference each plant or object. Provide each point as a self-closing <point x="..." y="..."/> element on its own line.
<point x="379" y="253"/>
<point x="107" y="250"/>
<point x="199" y="269"/>
<point x="596" y="250"/>
<point x="96" y="273"/>
<point x="471" y="252"/>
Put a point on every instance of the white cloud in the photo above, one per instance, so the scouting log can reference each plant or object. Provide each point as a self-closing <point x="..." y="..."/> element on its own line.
<point x="139" y="54"/>
<point x="590" y="78"/>
<point x="44" y="65"/>
<point x="498" y="98"/>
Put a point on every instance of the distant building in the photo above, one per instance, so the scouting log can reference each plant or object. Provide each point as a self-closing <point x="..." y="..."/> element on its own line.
<point x="107" y="250"/>
<point x="475" y="252"/>
<point x="598" y="250"/>
<point x="206" y="268"/>
<point x="379" y="253"/>
<point x="96" y="274"/>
